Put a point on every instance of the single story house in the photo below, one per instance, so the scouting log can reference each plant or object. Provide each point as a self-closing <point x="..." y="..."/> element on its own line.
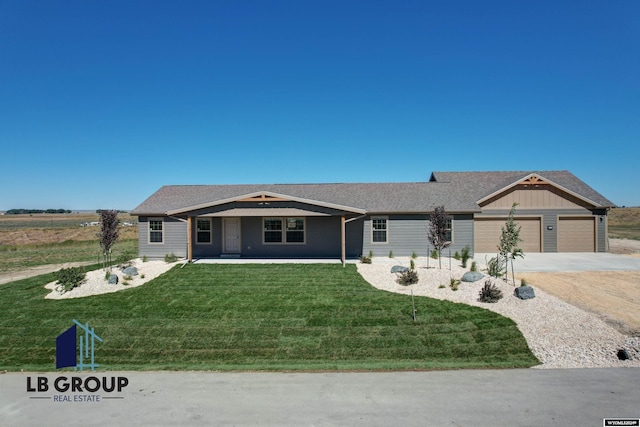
<point x="557" y="212"/>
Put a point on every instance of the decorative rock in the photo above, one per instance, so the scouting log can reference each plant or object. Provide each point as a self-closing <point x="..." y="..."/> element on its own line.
<point x="113" y="279"/>
<point x="130" y="271"/>
<point x="623" y="354"/>
<point x="399" y="269"/>
<point x="524" y="292"/>
<point x="472" y="276"/>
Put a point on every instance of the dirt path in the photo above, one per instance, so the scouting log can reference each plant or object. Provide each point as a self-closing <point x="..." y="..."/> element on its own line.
<point x="6" y="277"/>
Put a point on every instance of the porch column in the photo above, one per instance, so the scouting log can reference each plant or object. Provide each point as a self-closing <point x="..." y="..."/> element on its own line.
<point x="189" y="239"/>
<point x="343" y="238"/>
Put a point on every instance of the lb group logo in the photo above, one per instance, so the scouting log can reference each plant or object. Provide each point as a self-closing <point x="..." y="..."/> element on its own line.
<point x="66" y="345"/>
<point x="76" y="348"/>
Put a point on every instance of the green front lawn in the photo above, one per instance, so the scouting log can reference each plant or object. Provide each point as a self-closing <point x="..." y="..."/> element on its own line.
<point x="258" y="317"/>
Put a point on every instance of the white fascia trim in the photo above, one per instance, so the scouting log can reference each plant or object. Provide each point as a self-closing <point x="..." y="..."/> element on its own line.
<point x="270" y="194"/>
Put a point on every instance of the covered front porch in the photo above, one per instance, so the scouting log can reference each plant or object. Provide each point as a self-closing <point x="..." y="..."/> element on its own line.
<point x="266" y="226"/>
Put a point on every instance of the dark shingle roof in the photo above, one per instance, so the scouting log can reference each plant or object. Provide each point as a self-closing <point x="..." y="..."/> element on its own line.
<point x="457" y="191"/>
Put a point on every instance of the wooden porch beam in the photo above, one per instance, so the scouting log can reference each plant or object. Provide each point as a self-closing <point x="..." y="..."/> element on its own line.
<point x="189" y="239"/>
<point x="343" y="239"/>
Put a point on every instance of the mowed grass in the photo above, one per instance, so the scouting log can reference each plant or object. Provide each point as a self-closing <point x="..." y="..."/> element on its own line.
<point x="258" y="317"/>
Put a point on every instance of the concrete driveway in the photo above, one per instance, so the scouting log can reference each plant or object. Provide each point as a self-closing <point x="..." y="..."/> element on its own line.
<point x="569" y="262"/>
<point x="518" y="397"/>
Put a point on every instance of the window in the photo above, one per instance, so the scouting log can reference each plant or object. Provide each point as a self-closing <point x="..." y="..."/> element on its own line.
<point x="155" y="231"/>
<point x="273" y="230"/>
<point x="448" y="237"/>
<point x="203" y="231"/>
<point x="284" y="230"/>
<point x="379" y="230"/>
<point x="295" y="230"/>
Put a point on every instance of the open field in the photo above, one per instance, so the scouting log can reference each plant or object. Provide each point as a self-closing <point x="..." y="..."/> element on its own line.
<point x="258" y="317"/>
<point x="28" y="241"/>
<point x="624" y="223"/>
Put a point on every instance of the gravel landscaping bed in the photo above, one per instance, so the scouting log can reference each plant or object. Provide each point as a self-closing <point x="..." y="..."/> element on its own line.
<point x="559" y="334"/>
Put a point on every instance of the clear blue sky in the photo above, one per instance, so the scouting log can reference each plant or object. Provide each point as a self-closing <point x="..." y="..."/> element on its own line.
<point x="103" y="102"/>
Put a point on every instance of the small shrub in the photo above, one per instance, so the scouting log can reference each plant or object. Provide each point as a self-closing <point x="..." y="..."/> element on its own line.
<point x="69" y="278"/>
<point x="496" y="267"/>
<point x="454" y="283"/>
<point x="490" y="293"/>
<point x="107" y="274"/>
<point x="456" y="256"/>
<point x="474" y="266"/>
<point x="142" y="276"/>
<point x="365" y="259"/>
<point x="465" y="255"/>
<point x="524" y="282"/>
<point x="414" y="255"/>
<point x="412" y="264"/>
<point x="408" y="277"/>
<point x="434" y="254"/>
<point x="124" y="260"/>
<point x="441" y="287"/>
<point x="125" y="283"/>
<point x="390" y="254"/>
<point x="170" y="258"/>
<point x="127" y="277"/>
<point x="370" y="253"/>
<point x="145" y="259"/>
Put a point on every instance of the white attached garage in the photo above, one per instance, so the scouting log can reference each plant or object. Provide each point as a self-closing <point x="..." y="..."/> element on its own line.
<point x="487" y="232"/>
<point x="576" y="234"/>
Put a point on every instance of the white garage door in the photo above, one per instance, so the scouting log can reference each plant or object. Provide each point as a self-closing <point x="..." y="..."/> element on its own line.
<point x="487" y="232"/>
<point x="576" y="234"/>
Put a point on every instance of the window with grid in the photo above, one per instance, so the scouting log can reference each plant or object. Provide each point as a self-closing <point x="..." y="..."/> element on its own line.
<point x="295" y="230"/>
<point x="379" y="230"/>
<point x="203" y="231"/>
<point x="273" y="230"/>
<point x="448" y="236"/>
<point x="155" y="231"/>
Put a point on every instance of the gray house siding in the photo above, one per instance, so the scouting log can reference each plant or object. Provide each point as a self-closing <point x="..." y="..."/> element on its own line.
<point x="407" y="234"/>
<point x="174" y="238"/>
<point x="208" y="250"/>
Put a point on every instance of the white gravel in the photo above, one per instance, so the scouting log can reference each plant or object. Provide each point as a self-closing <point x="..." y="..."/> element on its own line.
<point x="559" y="334"/>
<point x="96" y="282"/>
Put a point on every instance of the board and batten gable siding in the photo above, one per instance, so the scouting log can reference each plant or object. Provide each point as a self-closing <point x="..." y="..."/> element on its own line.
<point x="174" y="238"/>
<point x="407" y="234"/>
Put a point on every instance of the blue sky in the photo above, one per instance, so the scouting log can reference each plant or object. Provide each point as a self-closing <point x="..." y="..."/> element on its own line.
<point x="103" y="102"/>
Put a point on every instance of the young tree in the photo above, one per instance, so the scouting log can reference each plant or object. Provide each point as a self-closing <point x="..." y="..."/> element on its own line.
<point x="108" y="234"/>
<point x="509" y="240"/>
<point x="438" y="231"/>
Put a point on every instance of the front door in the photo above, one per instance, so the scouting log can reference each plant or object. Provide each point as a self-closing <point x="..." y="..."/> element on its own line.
<point x="231" y="237"/>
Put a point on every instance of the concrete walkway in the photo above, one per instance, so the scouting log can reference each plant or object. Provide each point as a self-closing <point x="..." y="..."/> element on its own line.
<point x="441" y="398"/>
<point x="569" y="262"/>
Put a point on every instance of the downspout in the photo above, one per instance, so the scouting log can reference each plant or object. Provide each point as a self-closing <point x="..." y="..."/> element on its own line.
<point x="189" y="248"/>
<point x="343" y="223"/>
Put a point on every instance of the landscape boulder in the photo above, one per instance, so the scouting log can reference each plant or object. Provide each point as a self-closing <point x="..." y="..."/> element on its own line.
<point x="525" y="292"/>
<point x="472" y="276"/>
<point x="399" y="269"/>
<point x="113" y="279"/>
<point x="130" y="271"/>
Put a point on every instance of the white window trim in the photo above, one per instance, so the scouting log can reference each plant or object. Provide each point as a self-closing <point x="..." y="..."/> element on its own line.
<point x="386" y="218"/>
<point x="284" y="230"/>
<point x="149" y="231"/>
<point x="210" y="242"/>
<point x="451" y="221"/>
